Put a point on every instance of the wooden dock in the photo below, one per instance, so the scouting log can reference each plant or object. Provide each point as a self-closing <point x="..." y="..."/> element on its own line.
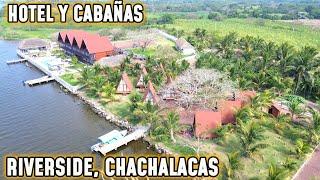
<point x="137" y="134"/>
<point x="16" y="61"/>
<point x="43" y="79"/>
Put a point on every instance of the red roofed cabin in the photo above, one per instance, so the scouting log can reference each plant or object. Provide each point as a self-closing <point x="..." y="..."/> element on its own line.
<point x="88" y="47"/>
<point x="125" y="85"/>
<point x="205" y="122"/>
<point x="151" y="95"/>
<point x="228" y="110"/>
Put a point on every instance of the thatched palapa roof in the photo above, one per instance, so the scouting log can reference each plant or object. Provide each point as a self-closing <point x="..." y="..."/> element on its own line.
<point x="33" y="44"/>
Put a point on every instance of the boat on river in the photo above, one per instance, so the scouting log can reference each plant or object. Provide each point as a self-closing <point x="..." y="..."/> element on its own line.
<point x="109" y="139"/>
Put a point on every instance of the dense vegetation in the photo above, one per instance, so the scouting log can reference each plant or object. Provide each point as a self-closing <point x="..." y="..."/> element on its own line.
<point x="278" y="32"/>
<point x="259" y="142"/>
<point x="276" y="10"/>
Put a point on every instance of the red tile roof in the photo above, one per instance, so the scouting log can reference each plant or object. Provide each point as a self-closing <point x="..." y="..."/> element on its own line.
<point x="151" y="89"/>
<point x="127" y="81"/>
<point x="93" y="42"/>
<point x="228" y="110"/>
<point x="246" y="96"/>
<point x="205" y="122"/>
<point x="96" y="44"/>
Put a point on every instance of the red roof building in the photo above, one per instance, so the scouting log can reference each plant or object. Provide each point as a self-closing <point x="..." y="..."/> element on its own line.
<point x="125" y="85"/>
<point x="228" y="110"/>
<point x="246" y="97"/>
<point x="86" y="46"/>
<point x="151" y="95"/>
<point x="205" y="122"/>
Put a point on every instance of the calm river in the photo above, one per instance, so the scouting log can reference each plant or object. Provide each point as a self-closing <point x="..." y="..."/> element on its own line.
<point x="43" y="119"/>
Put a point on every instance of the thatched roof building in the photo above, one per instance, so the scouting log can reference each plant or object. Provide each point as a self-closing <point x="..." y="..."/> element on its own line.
<point x="33" y="44"/>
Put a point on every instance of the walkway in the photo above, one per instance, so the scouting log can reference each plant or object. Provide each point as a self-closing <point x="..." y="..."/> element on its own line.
<point x="311" y="169"/>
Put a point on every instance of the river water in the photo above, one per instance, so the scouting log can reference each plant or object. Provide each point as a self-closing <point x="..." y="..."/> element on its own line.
<point x="43" y="119"/>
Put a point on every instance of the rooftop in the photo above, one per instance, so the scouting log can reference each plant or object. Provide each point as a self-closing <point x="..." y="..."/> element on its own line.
<point x="32" y="44"/>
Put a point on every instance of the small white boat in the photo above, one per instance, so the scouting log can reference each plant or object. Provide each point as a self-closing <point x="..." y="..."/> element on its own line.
<point x="109" y="138"/>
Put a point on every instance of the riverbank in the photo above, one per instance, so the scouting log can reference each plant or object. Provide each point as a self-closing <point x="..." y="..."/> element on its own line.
<point x="96" y="107"/>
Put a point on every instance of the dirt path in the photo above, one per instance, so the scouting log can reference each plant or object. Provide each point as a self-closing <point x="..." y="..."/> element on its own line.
<point x="311" y="169"/>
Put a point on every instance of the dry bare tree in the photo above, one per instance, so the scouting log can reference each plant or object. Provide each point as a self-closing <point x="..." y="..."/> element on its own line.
<point x="200" y="87"/>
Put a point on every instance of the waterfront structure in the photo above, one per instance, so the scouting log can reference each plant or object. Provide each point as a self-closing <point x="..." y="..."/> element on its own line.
<point x="205" y="122"/>
<point x="125" y="85"/>
<point x="185" y="47"/>
<point x="88" y="47"/>
<point x="33" y="47"/>
<point x="151" y="95"/>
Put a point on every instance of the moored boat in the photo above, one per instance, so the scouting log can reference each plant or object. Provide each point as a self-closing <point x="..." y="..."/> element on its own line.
<point x="109" y="138"/>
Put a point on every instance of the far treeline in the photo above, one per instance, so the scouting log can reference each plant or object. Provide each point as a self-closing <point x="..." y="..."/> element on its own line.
<point x="275" y="10"/>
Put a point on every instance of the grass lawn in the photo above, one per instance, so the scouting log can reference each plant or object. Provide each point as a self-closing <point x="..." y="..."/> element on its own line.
<point x="145" y="52"/>
<point x="120" y="107"/>
<point x="279" y="148"/>
<point x="297" y="35"/>
<point x="71" y="79"/>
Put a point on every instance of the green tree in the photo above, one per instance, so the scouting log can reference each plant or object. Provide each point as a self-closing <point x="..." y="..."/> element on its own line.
<point x="276" y="173"/>
<point x="249" y="135"/>
<point x="135" y="98"/>
<point x="173" y="124"/>
<point x="233" y="164"/>
<point x="301" y="69"/>
<point x="301" y="148"/>
<point x="86" y="75"/>
<point x="108" y="91"/>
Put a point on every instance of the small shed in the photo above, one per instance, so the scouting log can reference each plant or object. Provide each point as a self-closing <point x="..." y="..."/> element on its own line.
<point x="205" y="122"/>
<point x="125" y="85"/>
<point x="151" y="95"/>
<point x="279" y="108"/>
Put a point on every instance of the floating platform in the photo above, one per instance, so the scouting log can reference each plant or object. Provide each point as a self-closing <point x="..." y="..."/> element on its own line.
<point x="16" y="61"/>
<point x="43" y="79"/>
<point x="137" y="134"/>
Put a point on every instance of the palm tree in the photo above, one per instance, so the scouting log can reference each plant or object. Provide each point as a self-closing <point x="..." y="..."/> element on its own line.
<point x="233" y="164"/>
<point x="108" y="91"/>
<point x="289" y="164"/>
<point x="280" y="124"/>
<point x="86" y="75"/>
<point x="285" y="54"/>
<point x="301" y="148"/>
<point x="226" y="46"/>
<point x="301" y="69"/>
<point x="295" y="108"/>
<point x="314" y="129"/>
<point x="173" y="124"/>
<point x="276" y="173"/>
<point x="135" y="98"/>
<point x="244" y="115"/>
<point x="249" y="134"/>
<point x="96" y="85"/>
